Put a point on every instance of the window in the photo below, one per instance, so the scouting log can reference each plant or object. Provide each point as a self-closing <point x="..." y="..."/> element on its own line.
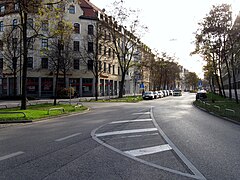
<point x="30" y="62"/>
<point x="30" y="23"/>
<point x="44" y="43"/>
<point x="71" y="9"/>
<point x="45" y="26"/>
<point x="14" y="43"/>
<point x="90" y="47"/>
<point x="1" y="26"/>
<point x="77" y="28"/>
<point x="2" y="8"/>
<point x="1" y="45"/>
<point x="30" y="43"/>
<point x="60" y="45"/>
<point x="100" y="65"/>
<point x="1" y="63"/>
<point x="109" y="52"/>
<point x="76" y="64"/>
<point x="105" y="50"/>
<point x="100" y="48"/>
<point x="16" y="6"/>
<point x="90" y="29"/>
<point x="76" y="45"/>
<point x="14" y="23"/>
<point x="109" y="68"/>
<point x="90" y="65"/>
<point x="44" y="63"/>
<point x="104" y="67"/>
<point x="113" y="69"/>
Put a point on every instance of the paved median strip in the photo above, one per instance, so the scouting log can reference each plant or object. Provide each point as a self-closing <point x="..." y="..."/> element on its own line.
<point x="148" y="150"/>
<point x="11" y="155"/>
<point x="130" y="121"/>
<point x="125" y="132"/>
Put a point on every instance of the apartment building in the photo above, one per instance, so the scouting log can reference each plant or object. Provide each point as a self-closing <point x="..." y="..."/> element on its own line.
<point x="86" y="42"/>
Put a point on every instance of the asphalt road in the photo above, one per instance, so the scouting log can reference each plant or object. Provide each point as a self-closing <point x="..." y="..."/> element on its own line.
<point x="166" y="138"/>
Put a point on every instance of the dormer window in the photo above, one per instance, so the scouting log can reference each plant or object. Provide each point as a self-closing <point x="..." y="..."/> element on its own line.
<point x="71" y="9"/>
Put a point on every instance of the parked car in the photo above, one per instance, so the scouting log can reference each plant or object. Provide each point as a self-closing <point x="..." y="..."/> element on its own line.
<point x="148" y="95"/>
<point x="201" y="95"/>
<point x="156" y="95"/>
<point x="161" y="95"/>
<point x="177" y="92"/>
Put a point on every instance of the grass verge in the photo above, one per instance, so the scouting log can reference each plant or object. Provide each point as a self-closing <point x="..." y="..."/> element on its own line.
<point x="35" y="112"/>
<point x="130" y="99"/>
<point x="220" y="106"/>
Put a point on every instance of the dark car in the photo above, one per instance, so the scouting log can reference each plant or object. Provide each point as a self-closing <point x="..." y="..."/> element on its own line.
<point x="201" y="95"/>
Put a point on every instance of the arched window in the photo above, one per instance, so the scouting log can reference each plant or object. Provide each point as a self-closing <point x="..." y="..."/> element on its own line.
<point x="77" y="28"/>
<point x="71" y="9"/>
<point x="90" y="29"/>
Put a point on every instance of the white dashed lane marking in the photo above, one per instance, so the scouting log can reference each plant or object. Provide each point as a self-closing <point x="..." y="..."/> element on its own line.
<point x="131" y="121"/>
<point x="125" y="132"/>
<point x="148" y="150"/>
<point x="67" y="137"/>
<point x="141" y="113"/>
<point x="11" y="155"/>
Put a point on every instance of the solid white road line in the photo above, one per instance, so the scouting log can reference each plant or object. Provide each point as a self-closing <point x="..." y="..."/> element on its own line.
<point x="142" y="113"/>
<point x="11" y="155"/>
<point x="67" y="137"/>
<point x="148" y="150"/>
<point x="125" y="132"/>
<point x="129" y="121"/>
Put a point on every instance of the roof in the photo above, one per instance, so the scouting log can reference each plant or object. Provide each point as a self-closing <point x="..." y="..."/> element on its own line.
<point x="90" y="11"/>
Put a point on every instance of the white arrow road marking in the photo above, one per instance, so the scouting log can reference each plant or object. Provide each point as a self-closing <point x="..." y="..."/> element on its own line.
<point x="148" y="150"/>
<point x="126" y="132"/>
<point x="67" y="137"/>
<point x="11" y="155"/>
<point x="129" y="121"/>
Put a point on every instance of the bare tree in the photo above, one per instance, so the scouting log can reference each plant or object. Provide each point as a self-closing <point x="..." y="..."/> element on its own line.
<point x="125" y="31"/>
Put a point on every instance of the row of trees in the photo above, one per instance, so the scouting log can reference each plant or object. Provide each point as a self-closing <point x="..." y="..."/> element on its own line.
<point x="217" y="40"/>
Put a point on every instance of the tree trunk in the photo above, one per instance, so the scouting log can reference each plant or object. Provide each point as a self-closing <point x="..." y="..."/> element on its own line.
<point x="121" y="86"/>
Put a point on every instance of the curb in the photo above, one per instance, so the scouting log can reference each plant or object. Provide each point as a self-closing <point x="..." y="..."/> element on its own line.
<point x="212" y="113"/>
<point x="13" y="122"/>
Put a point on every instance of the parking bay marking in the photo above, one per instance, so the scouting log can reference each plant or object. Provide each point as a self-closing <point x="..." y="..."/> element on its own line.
<point x="11" y="155"/>
<point x="148" y="150"/>
<point x="129" y="121"/>
<point x="125" y="132"/>
<point x="67" y="137"/>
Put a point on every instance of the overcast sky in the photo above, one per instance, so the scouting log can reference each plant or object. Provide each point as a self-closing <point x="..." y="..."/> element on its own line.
<point x="171" y="25"/>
